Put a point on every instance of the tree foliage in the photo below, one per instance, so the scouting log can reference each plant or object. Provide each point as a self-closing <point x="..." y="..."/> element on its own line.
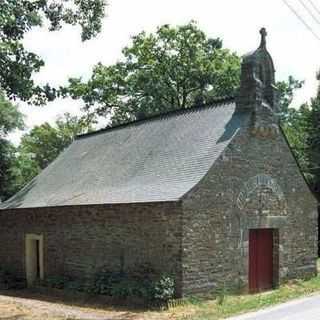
<point x="302" y="128"/>
<point x="295" y="127"/>
<point x="286" y="91"/>
<point x="293" y="121"/>
<point x="45" y="142"/>
<point x="10" y="119"/>
<point x="175" y="68"/>
<point x="17" y="17"/>
<point x="313" y="142"/>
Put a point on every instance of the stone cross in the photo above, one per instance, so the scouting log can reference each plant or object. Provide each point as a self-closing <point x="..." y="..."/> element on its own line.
<point x="263" y="33"/>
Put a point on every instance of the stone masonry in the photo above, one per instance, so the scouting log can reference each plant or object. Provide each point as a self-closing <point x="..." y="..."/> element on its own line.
<point x="255" y="184"/>
<point x="80" y="241"/>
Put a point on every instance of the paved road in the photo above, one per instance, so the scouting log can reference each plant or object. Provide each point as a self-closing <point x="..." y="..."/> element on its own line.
<point x="301" y="309"/>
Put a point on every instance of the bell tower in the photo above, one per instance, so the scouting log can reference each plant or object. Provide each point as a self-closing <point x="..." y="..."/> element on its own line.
<point x="258" y="93"/>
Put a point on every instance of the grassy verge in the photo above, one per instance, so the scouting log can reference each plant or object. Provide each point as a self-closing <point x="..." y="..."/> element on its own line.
<point x="212" y="309"/>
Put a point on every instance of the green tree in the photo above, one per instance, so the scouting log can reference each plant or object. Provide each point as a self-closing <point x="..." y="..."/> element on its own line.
<point x="302" y="128"/>
<point x="313" y="143"/>
<point x="45" y="142"/>
<point x="10" y="119"/>
<point x="295" y="127"/>
<point x="176" y="67"/>
<point x="17" y="17"/>
<point x="293" y="121"/>
<point x="286" y="91"/>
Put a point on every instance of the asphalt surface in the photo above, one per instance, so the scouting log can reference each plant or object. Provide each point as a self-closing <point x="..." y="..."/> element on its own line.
<point x="300" y="309"/>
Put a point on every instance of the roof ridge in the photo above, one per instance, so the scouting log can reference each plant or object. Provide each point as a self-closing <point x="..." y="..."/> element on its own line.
<point x="160" y="115"/>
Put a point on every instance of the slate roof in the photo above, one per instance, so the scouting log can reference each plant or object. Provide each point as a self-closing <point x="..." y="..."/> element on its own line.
<point x="157" y="159"/>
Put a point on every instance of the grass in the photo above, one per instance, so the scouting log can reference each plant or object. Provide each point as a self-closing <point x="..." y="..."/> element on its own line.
<point x="196" y="309"/>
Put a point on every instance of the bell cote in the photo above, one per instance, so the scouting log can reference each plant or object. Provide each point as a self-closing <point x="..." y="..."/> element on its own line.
<point x="258" y="92"/>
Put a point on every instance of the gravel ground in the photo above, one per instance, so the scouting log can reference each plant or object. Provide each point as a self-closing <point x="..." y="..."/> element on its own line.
<point x="18" y="308"/>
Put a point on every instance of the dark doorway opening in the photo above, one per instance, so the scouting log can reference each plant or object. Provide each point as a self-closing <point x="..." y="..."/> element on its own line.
<point x="38" y="259"/>
<point x="261" y="259"/>
<point x="34" y="258"/>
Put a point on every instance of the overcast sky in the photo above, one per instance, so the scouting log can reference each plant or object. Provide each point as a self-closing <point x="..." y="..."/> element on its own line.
<point x="295" y="50"/>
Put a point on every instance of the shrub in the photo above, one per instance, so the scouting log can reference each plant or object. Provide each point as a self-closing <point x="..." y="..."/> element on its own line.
<point x="143" y="283"/>
<point x="164" y="288"/>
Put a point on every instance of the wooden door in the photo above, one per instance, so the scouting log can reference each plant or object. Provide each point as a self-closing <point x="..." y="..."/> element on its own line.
<point x="260" y="259"/>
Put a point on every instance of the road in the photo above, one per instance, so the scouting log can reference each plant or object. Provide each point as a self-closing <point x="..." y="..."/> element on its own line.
<point x="300" y="309"/>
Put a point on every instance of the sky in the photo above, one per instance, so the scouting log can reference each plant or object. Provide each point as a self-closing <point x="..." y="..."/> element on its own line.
<point x="295" y="50"/>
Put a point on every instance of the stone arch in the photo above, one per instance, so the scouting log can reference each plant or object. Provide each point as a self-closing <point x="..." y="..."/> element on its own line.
<point x="262" y="194"/>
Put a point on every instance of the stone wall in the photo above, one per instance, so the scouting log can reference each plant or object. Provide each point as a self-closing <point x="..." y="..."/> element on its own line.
<point x="79" y="241"/>
<point x="255" y="183"/>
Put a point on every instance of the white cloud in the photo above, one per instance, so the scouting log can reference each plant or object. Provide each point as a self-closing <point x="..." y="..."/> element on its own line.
<point x="293" y="47"/>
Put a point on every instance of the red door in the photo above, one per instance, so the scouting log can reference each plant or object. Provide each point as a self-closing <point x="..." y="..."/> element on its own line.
<point x="260" y="259"/>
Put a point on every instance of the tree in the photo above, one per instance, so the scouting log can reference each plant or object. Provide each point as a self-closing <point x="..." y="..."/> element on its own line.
<point x="293" y="121"/>
<point x="313" y="142"/>
<point x="302" y="128"/>
<point x="45" y="142"/>
<point x="177" y="67"/>
<point x="286" y="91"/>
<point x="10" y="119"/>
<point x="295" y="128"/>
<point x="18" y="17"/>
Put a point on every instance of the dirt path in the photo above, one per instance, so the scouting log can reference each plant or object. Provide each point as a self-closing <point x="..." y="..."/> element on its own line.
<point x="18" y="308"/>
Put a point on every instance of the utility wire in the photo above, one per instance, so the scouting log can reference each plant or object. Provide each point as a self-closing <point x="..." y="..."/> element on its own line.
<point x="310" y="12"/>
<point x="300" y="18"/>
<point x="314" y="6"/>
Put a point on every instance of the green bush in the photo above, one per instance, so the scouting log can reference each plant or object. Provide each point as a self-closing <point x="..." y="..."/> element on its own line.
<point x="143" y="283"/>
<point x="164" y="288"/>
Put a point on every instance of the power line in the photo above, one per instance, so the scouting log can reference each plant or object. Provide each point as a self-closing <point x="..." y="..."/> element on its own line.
<point x="314" y="6"/>
<point x="310" y="12"/>
<point x="301" y="19"/>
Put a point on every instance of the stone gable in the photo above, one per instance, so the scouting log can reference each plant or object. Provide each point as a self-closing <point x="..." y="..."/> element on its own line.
<point x="255" y="183"/>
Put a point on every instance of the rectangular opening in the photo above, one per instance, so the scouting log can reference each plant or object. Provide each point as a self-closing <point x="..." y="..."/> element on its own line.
<point x="34" y="258"/>
<point x="262" y="259"/>
<point x="38" y="258"/>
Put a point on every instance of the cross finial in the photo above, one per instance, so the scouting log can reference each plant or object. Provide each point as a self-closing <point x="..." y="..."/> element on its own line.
<point x="263" y="33"/>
